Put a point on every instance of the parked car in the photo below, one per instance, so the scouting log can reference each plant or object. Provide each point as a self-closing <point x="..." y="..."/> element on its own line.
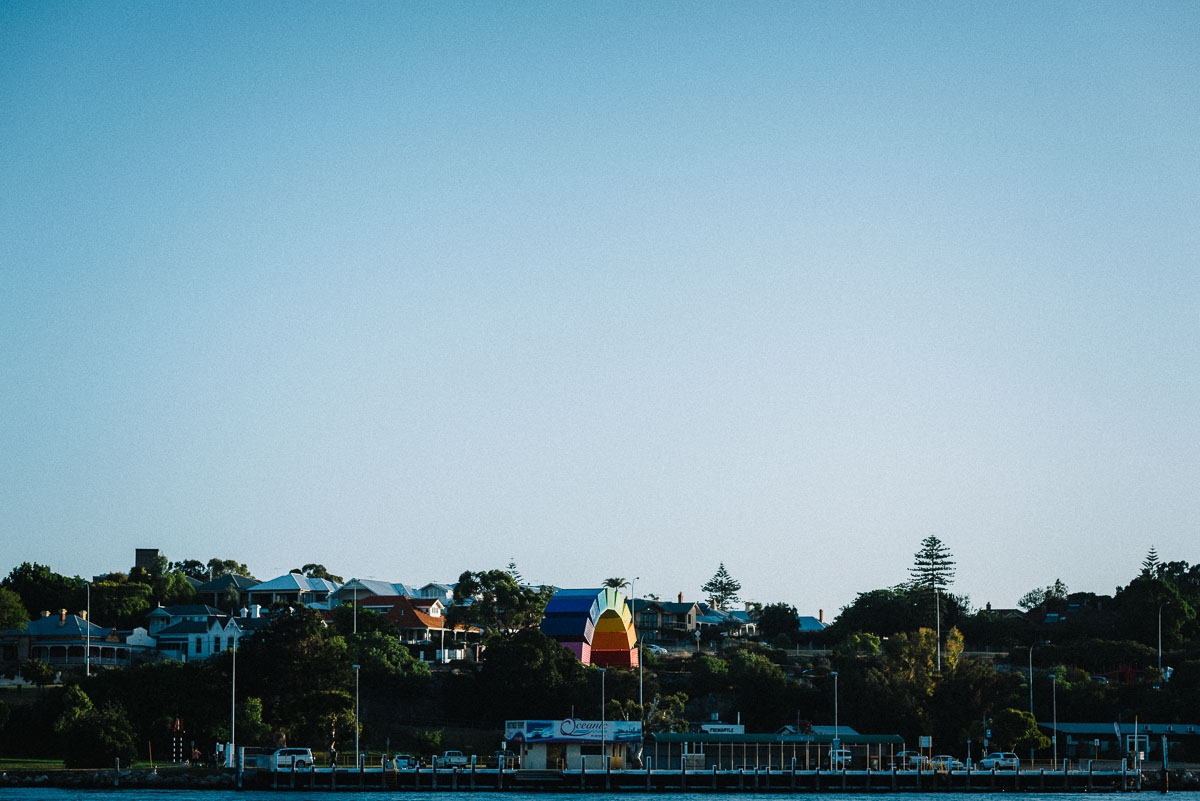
<point x="453" y="759"/>
<point x="1000" y="760"/>
<point x="505" y="759"/>
<point x="839" y="759"/>
<point x="657" y="650"/>
<point x="404" y="761"/>
<point x="946" y="762"/>
<point x="910" y="760"/>
<point x="292" y="759"/>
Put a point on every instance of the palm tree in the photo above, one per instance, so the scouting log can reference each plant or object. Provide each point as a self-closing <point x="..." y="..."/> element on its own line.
<point x="616" y="583"/>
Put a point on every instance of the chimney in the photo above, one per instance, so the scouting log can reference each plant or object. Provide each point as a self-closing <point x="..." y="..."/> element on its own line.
<point x="83" y="614"/>
<point x="989" y="606"/>
<point x="820" y="615"/>
<point x="62" y="615"/>
<point x="255" y="611"/>
<point x="45" y="613"/>
<point x="681" y="597"/>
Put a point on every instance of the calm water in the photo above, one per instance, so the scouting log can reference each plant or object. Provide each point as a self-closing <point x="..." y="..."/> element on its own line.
<point x="53" y="794"/>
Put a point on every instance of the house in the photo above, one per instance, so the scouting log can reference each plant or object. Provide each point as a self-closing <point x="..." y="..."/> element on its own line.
<point x="294" y="588"/>
<point x="733" y="623"/>
<point x="1121" y="740"/>
<point x="588" y="744"/>
<point x="664" y="620"/>
<point x="63" y="640"/>
<point x="360" y="590"/>
<point x="225" y="591"/>
<point x="165" y="616"/>
<point x="191" y="638"/>
<point x="420" y="622"/>
<point x="731" y="751"/>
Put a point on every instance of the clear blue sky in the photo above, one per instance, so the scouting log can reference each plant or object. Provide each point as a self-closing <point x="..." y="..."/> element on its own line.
<point x="611" y="289"/>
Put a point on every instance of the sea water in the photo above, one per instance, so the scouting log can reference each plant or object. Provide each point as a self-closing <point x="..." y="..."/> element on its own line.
<point x="142" y="794"/>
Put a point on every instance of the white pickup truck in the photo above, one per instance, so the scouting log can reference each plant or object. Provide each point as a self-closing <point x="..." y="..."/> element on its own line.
<point x="453" y="759"/>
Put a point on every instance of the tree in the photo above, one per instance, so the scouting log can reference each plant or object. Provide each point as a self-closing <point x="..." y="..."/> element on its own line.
<point x="98" y="737"/>
<point x="514" y="572"/>
<point x="221" y="567"/>
<point x="494" y="600"/>
<point x="531" y="675"/>
<point x="932" y="567"/>
<point x="722" y="589"/>
<point x="777" y="619"/>
<point x="313" y="570"/>
<point x="192" y="568"/>
<point x="616" y="583"/>
<point x="1053" y="595"/>
<point x="43" y="590"/>
<point x="13" y="614"/>
<point x="1016" y="730"/>
<point x="1151" y="565"/>
<point x="39" y="672"/>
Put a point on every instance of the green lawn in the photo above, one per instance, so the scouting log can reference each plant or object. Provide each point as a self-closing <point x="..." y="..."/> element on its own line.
<point x="7" y="763"/>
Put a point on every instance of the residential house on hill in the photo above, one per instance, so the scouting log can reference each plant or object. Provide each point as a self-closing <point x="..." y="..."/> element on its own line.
<point x="62" y="640"/>
<point x="225" y="592"/>
<point x="294" y="588"/>
<point x="666" y="620"/>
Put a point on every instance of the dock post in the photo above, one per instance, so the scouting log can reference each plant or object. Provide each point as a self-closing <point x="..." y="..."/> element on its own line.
<point x="332" y="776"/>
<point x="793" y="781"/>
<point x="582" y="773"/>
<point x="714" y="777"/>
<point x="500" y="775"/>
<point x="893" y="777"/>
<point x="607" y="773"/>
<point x="241" y="764"/>
<point x="433" y="773"/>
<point x="741" y="778"/>
<point x="843" y="780"/>
<point x="473" y="773"/>
<point x="117" y="773"/>
<point x="1042" y="780"/>
<point x="817" y="779"/>
<point x="293" y="776"/>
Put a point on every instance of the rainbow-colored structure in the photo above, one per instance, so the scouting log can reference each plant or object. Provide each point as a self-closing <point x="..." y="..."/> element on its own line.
<point x="595" y="625"/>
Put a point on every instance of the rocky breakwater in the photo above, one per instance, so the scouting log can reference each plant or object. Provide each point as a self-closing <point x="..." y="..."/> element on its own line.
<point x="1174" y="779"/>
<point x="175" y="779"/>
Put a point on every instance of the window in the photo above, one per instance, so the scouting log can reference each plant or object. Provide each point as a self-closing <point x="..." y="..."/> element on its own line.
<point x="199" y="640"/>
<point x="216" y="644"/>
<point x="229" y="643"/>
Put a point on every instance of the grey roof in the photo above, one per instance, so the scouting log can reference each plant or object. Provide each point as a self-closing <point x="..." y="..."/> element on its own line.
<point x="775" y="739"/>
<point x="54" y="626"/>
<point x="190" y="610"/>
<point x="184" y="628"/>
<point x="376" y="587"/>
<point x="1107" y="730"/>
<point x="809" y="623"/>
<point x="228" y="581"/>
<point x="295" y="582"/>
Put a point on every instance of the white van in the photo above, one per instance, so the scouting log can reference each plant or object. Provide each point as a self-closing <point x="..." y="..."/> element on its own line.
<point x="292" y="759"/>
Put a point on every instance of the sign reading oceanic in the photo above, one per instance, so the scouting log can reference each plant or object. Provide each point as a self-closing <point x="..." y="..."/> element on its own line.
<point x="572" y="730"/>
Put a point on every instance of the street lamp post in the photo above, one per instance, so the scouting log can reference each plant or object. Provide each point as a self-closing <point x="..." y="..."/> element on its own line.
<point x="357" y="725"/>
<point x="87" y="627"/>
<point x="937" y="600"/>
<point x="835" y="707"/>
<point x="638" y="641"/>
<point x="1160" y="608"/>
<point x="232" y="709"/>
<point x="1054" y="697"/>
<point x="356" y="606"/>
<point x="603" y="726"/>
